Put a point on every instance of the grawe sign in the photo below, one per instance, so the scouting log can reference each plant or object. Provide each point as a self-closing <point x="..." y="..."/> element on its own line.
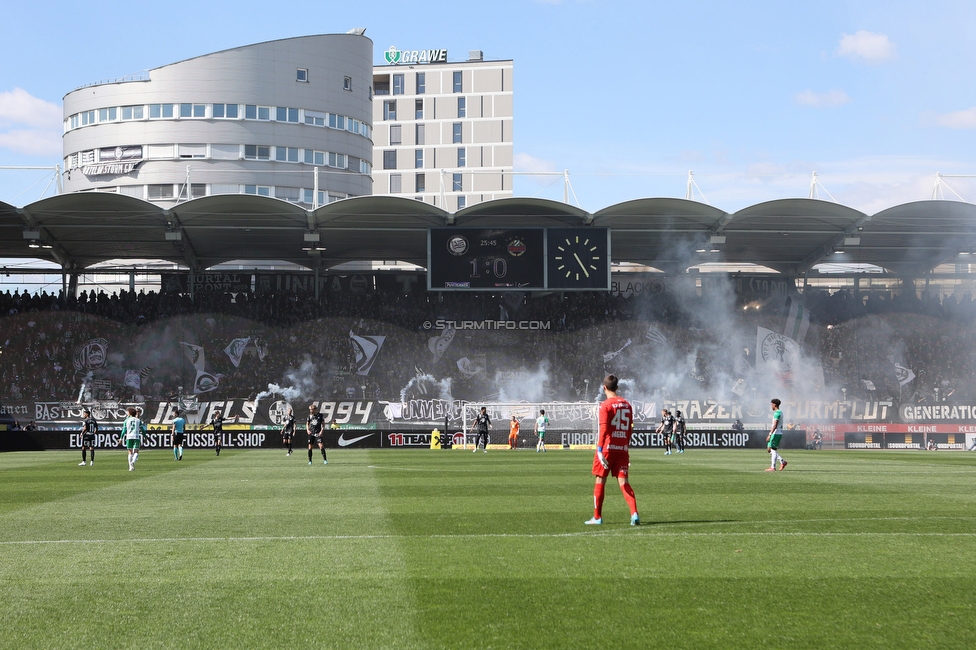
<point x="394" y="56"/>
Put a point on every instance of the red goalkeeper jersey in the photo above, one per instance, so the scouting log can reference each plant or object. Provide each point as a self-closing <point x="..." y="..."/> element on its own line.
<point x="616" y="425"/>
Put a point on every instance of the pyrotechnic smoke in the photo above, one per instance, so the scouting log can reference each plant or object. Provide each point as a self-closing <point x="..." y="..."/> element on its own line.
<point x="302" y="383"/>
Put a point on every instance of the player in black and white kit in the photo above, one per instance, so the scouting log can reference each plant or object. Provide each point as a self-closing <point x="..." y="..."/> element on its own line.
<point x="679" y="432"/>
<point x="667" y="428"/>
<point x="217" y="422"/>
<point x="315" y="425"/>
<point x="481" y="424"/>
<point x="288" y="429"/>
<point x="89" y="427"/>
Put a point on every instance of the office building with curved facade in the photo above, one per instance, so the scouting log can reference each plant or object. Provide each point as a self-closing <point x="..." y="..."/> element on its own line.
<point x="289" y="119"/>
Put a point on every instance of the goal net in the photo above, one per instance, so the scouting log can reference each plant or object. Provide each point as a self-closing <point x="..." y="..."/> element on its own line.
<point x="570" y="423"/>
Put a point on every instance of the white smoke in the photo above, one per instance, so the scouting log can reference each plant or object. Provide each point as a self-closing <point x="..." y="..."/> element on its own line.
<point x="302" y="383"/>
<point x="524" y="386"/>
<point x="426" y="385"/>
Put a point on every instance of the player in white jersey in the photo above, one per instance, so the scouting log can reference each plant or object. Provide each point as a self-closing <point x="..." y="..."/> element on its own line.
<point x="541" y="424"/>
<point x="131" y="436"/>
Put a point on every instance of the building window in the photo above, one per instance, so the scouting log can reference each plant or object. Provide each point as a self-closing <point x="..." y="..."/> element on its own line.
<point x="396" y="182"/>
<point x="192" y="151"/>
<point x="224" y="111"/>
<point x="225" y="151"/>
<point x="160" y="111"/>
<point x="421" y="134"/>
<point x="421" y="83"/>
<point x="462" y="157"/>
<point x="462" y="107"/>
<point x="389" y="160"/>
<point x="457" y="81"/>
<point x="197" y="190"/>
<point x="398" y="84"/>
<point x="421" y="183"/>
<point x="252" y="112"/>
<point x="292" y="194"/>
<point x="310" y="194"/>
<point x="456" y="185"/>
<point x="260" y="190"/>
<point x="107" y="114"/>
<point x="315" y="119"/>
<point x="193" y="110"/>
<point x="302" y="75"/>
<point x="462" y="201"/>
<point x="457" y="133"/>
<point x="418" y="109"/>
<point x="283" y="114"/>
<point x="88" y="117"/>
<point x="286" y="154"/>
<point x="338" y="160"/>
<point x="396" y="134"/>
<point x="389" y="109"/>
<point x="418" y="159"/>
<point x="314" y="157"/>
<point x="347" y="83"/>
<point x="132" y="112"/>
<point x="256" y="152"/>
<point x="337" y="121"/>
<point x="365" y="167"/>
<point x="160" y="192"/>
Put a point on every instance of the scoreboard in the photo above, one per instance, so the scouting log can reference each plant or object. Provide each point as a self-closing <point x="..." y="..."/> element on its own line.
<point x="518" y="259"/>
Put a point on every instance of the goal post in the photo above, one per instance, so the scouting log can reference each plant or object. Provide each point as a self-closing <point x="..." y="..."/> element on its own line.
<point x="570" y="423"/>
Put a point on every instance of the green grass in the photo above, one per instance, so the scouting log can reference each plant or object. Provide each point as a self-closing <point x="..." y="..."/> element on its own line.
<point x="438" y="549"/>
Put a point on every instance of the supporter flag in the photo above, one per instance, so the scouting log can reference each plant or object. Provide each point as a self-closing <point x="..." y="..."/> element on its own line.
<point x="654" y="335"/>
<point x="91" y="355"/>
<point x="205" y="382"/>
<point x="513" y="301"/>
<point x="132" y="379"/>
<point x="905" y="375"/>
<point x="609" y="356"/>
<point x="470" y="367"/>
<point x="798" y="322"/>
<point x="145" y="372"/>
<point x="775" y="352"/>
<point x="195" y="354"/>
<point x="262" y="349"/>
<point x="367" y="348"/>
<point x="438" y="344"/>
<point x="235" y="350"/>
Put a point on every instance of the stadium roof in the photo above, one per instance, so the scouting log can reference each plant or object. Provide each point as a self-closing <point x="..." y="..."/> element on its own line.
<point x="791" y="235"/>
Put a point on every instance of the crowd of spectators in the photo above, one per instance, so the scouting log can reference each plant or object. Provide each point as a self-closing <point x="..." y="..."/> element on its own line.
<point x="876" y="347"/>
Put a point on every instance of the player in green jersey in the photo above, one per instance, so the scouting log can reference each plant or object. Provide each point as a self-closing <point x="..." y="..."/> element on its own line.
<point x="775" y="437"/>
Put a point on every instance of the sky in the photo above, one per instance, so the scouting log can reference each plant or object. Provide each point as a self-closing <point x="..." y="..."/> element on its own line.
<point x="753" y="97"/>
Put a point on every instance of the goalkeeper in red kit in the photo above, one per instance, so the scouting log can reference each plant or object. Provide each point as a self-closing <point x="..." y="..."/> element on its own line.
<point x="613" y="450"/>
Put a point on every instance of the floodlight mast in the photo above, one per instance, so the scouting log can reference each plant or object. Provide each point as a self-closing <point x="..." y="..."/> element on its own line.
<point x="692" y="186"/>
<point x="940" y="183"/>
<point x="58" y="187"/>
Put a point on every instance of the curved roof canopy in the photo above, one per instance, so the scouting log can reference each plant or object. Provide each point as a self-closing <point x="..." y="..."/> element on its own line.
<point x="791" y="235"/>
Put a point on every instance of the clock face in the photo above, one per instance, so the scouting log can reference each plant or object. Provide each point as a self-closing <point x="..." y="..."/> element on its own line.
<point x="578" y="258"/>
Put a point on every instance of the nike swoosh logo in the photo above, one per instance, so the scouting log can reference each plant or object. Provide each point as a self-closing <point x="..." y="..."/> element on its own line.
<point x="345" y="443"/>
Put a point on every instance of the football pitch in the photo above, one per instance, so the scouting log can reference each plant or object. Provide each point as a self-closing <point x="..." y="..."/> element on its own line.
<point x="447" y="549"/>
